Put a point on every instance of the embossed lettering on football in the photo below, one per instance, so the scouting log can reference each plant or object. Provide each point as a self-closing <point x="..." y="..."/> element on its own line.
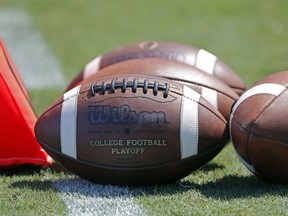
<point x="199" y="58"/>
<point x="259" y="128"/>
<point x="218" y="93"/>
<point x="132" y="130"/>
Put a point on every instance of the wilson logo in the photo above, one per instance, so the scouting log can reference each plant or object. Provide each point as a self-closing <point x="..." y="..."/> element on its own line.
<point x="123" y="115"/>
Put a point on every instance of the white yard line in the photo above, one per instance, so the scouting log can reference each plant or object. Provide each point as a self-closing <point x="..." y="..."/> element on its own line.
<point x="85" y="198"/>
<point x="38" y="67"/>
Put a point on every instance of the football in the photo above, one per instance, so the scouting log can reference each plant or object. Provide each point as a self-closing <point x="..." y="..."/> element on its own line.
<point x="199" y="58"/>
<point x="132" y="130"/>
<point x="259" y="128"/>
<point x="218" y="93"/>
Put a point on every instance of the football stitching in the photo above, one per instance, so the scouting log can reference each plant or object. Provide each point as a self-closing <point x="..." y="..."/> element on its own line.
<point x="207" y="108"/>
<point x="269" y="139"/>
<point x="263" y="110"/>
<point x="134" y="85"/>
<point x="257" y="116"/>
<point x="238" y="124"/>
<point x="201" y="85"/>
<point x="265" y="107"/>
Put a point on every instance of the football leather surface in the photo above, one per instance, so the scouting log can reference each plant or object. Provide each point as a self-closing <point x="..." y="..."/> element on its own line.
<point x="132" y="130"/>
<point x="199" y="58"/>
<point x="259" y="128"/>
<point x="218" y="93"/>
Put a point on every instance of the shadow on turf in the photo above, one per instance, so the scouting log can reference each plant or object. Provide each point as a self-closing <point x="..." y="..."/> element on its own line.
<point x="231" y="187"/>
<point x="29" y="170"/>
<point x="211" y="167"/>
<point x="227" y="188"/>
<point x="24" y="170"/>
<point x="37" y="185"/>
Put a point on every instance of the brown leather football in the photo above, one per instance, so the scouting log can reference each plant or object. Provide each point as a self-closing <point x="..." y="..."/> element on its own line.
<point x="132" y="130"/>
<point x="199" y="58"/>
<point x="218" y="93"/>
<point x="259" y="128"/>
